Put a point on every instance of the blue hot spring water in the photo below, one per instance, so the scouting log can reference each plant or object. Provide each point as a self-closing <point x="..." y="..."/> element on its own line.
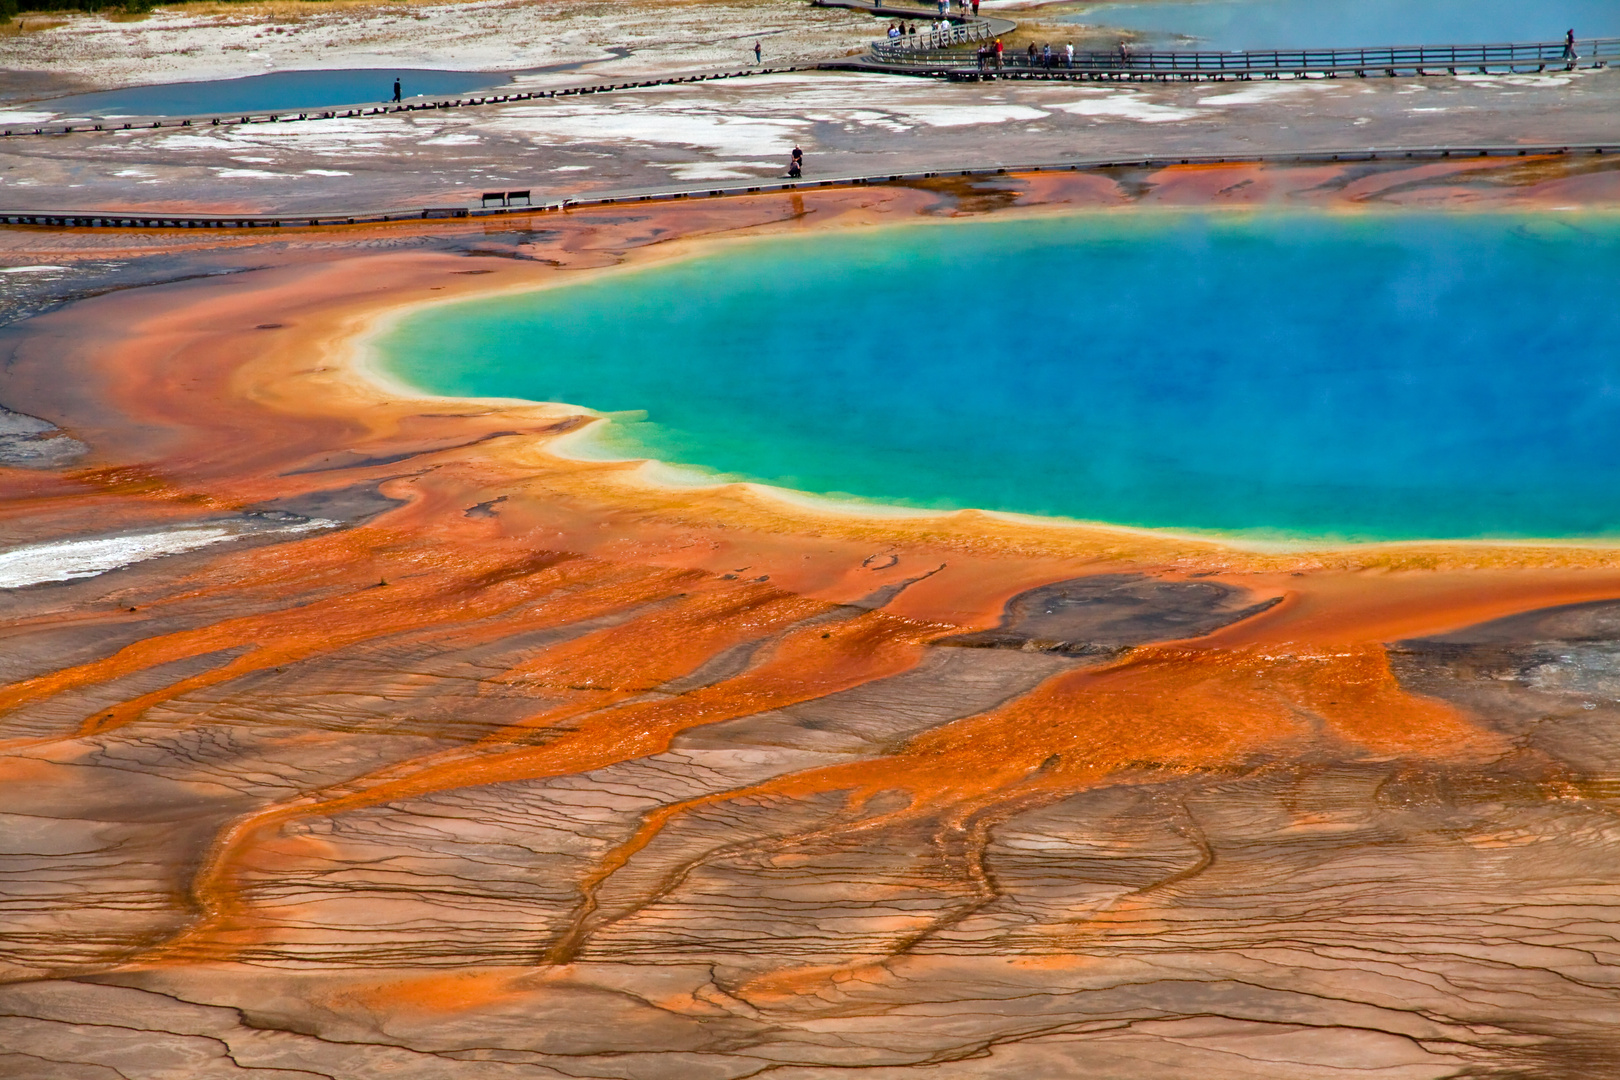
<point x="1350" y="24"/>
<point x="1342" y="376"/>
<point x="273" y="91"/>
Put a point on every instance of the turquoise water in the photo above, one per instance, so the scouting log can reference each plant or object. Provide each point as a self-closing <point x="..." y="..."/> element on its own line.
<point x="276" y="90"/>
<point x="1313" y="375"/>
<point x="1326" y="24"/>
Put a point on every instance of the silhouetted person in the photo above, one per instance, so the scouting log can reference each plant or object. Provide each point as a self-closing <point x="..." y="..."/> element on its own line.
<point x="396" y="89"/>
<point x="796" y="165"/>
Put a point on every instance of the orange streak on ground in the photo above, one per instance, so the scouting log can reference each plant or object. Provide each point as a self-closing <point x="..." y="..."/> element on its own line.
<point x="1251" y="691"/>
<point x="667" y="643"/>
<point x="806" y="664"/>
<point x="434" y="993"/>
<point x="1330" y="609"/>
<point x="482" y="581"/>
<point x="1169" y="708"/>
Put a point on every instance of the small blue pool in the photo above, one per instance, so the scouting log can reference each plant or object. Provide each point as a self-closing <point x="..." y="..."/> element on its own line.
<point x="277" y="91"/>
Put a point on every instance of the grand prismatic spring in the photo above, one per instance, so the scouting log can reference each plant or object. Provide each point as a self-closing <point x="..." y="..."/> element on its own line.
<point x="1366" y="377"/>
<point x="1151" y="616"/>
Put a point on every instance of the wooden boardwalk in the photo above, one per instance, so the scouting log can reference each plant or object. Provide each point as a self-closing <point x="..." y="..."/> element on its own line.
<point x="1398" y="60"/>
<point x="126" y="219"/>
<point x="953" y="52"/>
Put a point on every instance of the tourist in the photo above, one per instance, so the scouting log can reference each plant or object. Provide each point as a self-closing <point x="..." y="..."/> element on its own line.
<point x="943" y="8"/>
<point x="1031" y="56"/>
<point x="396" y="89"/>
<point x="756" y="52"/>
<point x="1569" y="46"/>
<point x="1069" y="50"/>
<point x="1046" y="56"/>
<point x="975" y="9"/>
<point x="998" y="54"/>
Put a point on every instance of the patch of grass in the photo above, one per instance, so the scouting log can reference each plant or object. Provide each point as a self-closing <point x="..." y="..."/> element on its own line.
<point x="28" y="24"/>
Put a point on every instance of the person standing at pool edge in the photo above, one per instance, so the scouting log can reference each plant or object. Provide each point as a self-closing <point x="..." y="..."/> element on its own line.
<point x="396" y="89"/>
<point x="756" y="52"/>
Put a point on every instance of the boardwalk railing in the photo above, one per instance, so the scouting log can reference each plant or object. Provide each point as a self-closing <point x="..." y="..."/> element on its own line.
<point x="1395" y="154"/>
<point x="1407" y="155"/>
<point x="1387" y="60"/>
<point x="901" y="49"/>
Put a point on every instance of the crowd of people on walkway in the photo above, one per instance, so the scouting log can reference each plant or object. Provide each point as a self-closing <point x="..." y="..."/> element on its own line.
<point x="903" y="29"/>
<point x="965" y="9"/>
<point x="993" y="55"/>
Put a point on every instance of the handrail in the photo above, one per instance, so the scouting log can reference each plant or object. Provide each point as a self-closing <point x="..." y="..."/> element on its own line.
<point x="127" y="219"/>
<point x="1388" y="58"/>
<point x="960" y="33"/>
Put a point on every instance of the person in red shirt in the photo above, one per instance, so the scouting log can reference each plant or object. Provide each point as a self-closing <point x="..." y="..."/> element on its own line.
<point x="998" y="54"/>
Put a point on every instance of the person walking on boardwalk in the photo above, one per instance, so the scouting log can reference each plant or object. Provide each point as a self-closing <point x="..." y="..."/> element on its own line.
<point x="1046" y="56"/>
<point x="999" y="49"/>
<point x="1569" y="46"/>
<point x="1030" y="56"/>
<point x="756" y="52"/>
<point x="975" y="9"/>
<point x="396" y="89"/>
<point x="1069" y="57"/>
